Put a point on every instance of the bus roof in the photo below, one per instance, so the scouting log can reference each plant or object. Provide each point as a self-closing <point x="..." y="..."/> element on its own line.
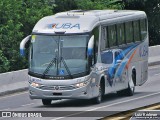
<point x="79" y="21"/>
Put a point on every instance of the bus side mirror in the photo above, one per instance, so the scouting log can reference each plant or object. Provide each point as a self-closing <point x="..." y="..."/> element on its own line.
<point x="22" y="45"/>
<point x="90" y="46"/>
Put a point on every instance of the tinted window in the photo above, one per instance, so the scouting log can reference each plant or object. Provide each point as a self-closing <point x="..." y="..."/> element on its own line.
<point x="129" y="32"/>
<point x="107" y="57"/>
<point x="112" y="35"/>
<point x="136" y="31"/>
<point x="95" y="32"/>
<point x="106" y="38"/>
<point x="120" y="34"/>
<point x="143" y="29"/>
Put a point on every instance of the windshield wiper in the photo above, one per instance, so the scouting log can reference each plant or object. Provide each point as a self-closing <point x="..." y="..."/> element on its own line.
<point x="49" y="66"/>
<point x="65" y="65"/>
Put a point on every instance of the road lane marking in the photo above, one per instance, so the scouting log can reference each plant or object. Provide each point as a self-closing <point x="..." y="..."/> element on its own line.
<point x="157" y="74"/>
<point x="155" y="67"/>
<point x="106" y="106"/>
<point x="13" y="95"/>
<point x="21" y="106"/>
<point x="27" y="104"/>
<point x="5" y="109"/>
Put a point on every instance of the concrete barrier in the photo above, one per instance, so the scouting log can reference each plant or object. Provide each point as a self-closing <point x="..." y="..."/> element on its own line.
<point x="13" y="82"/>
<point x="154" y="55"/>
<point x="154" y="51"/>
<point x="12" y="77"/>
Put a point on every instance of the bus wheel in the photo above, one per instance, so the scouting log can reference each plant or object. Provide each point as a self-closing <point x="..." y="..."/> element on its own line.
<point x="130" y="90"/>
<point x="46" y="102"/>
<point x="131" y="86"/>
<point x="98" y="99"/>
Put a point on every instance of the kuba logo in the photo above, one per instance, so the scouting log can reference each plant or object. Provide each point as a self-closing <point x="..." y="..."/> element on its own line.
<point x="64" y="26"/>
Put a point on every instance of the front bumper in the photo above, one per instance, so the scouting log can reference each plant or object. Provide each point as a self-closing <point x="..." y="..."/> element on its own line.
<point x="78" y="93"/>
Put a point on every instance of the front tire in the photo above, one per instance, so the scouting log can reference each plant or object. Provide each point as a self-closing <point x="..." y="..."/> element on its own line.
<point x="98" y="99"/>
<point x="131" y="85"/>
<point x="46" y="102"/>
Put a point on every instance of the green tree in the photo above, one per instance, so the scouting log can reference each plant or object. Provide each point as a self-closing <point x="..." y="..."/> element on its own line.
<point x="18" y="17"/>
<point x="10" y="33"/>
<point x="64" y="5"/>
<point x="4" y="63"/>
<point x="152" y="9"/>
<point x="32" y="12"/>
<point x="99" y="4"/>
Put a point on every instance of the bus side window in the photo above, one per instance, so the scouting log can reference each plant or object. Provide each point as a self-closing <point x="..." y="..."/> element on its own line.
<point x="106" y="37"/>
<point x="143" y="27"/>
<point x="129" y="32"/>
<point x="103" y="39"/>
<point x="112" y="36"/>
<point x="120" y="34"/>
<point x="136" y="30"/>
<point x="95" y="32"/>
<point x="107" y="57"/>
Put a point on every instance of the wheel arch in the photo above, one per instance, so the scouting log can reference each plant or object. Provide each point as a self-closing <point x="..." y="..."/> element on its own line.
<point x="134" y="75"/>
<point x="102" y="83"/>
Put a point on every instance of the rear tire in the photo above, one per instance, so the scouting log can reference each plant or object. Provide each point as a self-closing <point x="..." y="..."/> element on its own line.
<point x="129" y="91"/>
<point x="131" y="88"/>
<point x="46" y="102"/>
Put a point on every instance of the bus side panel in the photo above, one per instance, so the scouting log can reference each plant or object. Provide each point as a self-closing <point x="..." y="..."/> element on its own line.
<point x="144" y="72"/>
<point x="143" y="63"/>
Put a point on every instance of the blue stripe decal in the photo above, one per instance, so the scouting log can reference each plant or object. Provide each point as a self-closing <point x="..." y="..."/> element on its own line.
<point x="90" y="51"/>
<point x="127" y="52"/>
<point x="22" y="52"/>
<point x="125" y="61"/>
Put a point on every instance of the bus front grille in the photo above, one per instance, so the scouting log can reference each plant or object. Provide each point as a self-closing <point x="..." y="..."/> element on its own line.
<point x="57" y="87"/>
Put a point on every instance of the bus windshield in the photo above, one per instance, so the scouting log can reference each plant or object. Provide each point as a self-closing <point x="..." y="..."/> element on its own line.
<point x="58" y="55"/>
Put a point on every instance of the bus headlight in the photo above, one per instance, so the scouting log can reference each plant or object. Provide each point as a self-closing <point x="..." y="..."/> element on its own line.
<point x="33" y="84"/>
<point x="82" y="84"/>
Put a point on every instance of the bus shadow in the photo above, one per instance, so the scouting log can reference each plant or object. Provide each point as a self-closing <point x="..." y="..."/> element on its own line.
<point x="83" y="103"/>
<point x="68" y="103"/>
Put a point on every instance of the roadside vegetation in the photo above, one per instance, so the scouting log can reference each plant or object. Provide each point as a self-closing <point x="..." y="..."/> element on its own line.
<point x="18" y="17"/>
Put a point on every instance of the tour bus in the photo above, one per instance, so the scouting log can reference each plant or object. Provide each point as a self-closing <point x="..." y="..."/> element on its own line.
<point x="86" y="54"/>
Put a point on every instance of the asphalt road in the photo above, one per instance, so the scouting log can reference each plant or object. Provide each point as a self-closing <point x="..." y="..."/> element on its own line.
<point x="147" y="94"/>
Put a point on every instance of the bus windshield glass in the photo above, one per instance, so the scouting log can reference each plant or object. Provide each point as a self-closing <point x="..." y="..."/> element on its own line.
<point x="58" y="55"/>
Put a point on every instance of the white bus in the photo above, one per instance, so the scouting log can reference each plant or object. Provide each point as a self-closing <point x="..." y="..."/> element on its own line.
<point x="87" y="54"/>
